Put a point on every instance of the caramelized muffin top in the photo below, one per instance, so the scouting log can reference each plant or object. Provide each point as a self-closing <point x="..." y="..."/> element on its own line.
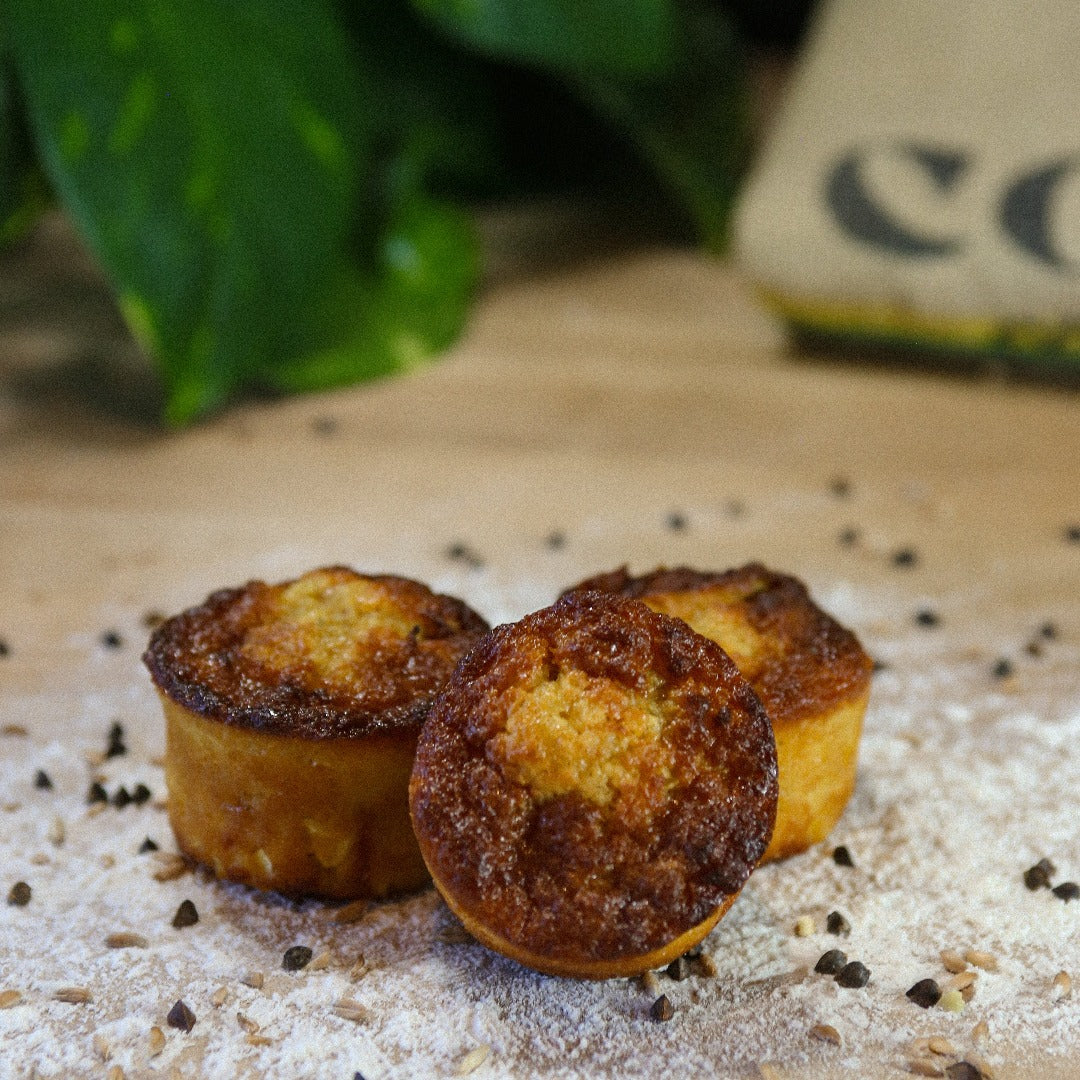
<point x="594" y="781"/>
<point x="333" y="653"/>
<point x="800" y="661"/>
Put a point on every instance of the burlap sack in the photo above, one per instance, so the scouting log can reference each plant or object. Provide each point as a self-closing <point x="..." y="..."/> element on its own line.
<point x="922" y="183"/>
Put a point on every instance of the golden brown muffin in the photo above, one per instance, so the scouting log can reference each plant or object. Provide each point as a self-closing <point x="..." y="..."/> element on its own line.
<point x="811" y="674"/>
<point x="292" y="713"/>
<point x="593" y="788"/>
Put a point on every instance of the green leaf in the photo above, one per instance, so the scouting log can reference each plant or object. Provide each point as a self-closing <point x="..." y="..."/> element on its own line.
<point x="411" y="304"/>
<point x="597" y="36"/>
<point x="23" y="191"/>
<point x="690" y="123"/>
<point x="209" y="152"/>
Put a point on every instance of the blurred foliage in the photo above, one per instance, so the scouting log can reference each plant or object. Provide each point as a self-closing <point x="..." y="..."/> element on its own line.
<point x="279" y="191"/>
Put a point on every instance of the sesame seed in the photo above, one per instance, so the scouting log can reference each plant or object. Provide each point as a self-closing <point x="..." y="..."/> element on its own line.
<point x="10" y="998"/>
<point x="125" y="940"/>
<point x="853" y="975"/>
<point x="321" y="961"/>
<point x="905" y="557"/>
<point x="825" y="1033"/>
<point x="247" y="1023"/>
<point x="101" y="1046"/>
<point x="115" y="1073"/>
<point x="831" y="962"/>
<point x="473" y="1060"/>
<point x="254" y="979"/>
<point x="938" y="1044"/>
<point x="219" y="996"/>
<point x="169" y="865"/>
<point x="649" y="983"/>
<point x="980" y="1032"/>
<point x="1062" y="985"/>
<point x="842" y="857"/>
<point x="805" y="926"/>
<point x="980" y="959"/>
<point x="921" y="1066"/>
<point x="349" y="1009"/>
<point x="1039" y="875"/>
<point x="835" y="923"/>
<point x="42" y="781"/>
<point x="73" y="995"/>
<point x="662" y="1009"/>
<point x="952" y="961"/>
<point x="961" y="980"/>
<point x="186" y="915"/>
<point x="180" y="1017"/>
<point x="1067" y="890"/>
<point x="706" y="966"/>
<point x="296" y="958"/>
<point x="156" y="1039"/>
<point x="57" y="831"/>
<point x="925" y="993"/>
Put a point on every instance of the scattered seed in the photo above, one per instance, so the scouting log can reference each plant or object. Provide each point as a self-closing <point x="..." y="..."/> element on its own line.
<point x="180" y="1017"/>
<point x="296" y="958"/>
<point x="40" y="859"/>
<point x="1039" y="875"/>
<point x="1072" y="534"/>
<point x="115" y="1073"/>
<point x="1048" y="631"/>
<point x="842" y="857"/>
<point x="107" y="862"/>
<point x="219" y="996"/>
<point x="321" y="961"/>
<point x="10" y="998"/>
<point x="57" y="831"/>
<point x="19" y="895"/>
<point x="97" y="794"/>
<point x="350" y="1009"/>
<point x="938" y="1044"/>
<point x="962" y="1070"/>
<point x="156" y="1040"/>
<point x="359" y="969"/>
<point x="649" y="983"/>
<point x="980" y="1033"/>
<point x="840" y="486"/>
<point x="111" y="639"/>
<point x="905" y="557"/>
<point x="734" y="508"/>
<point x="42" y="781"/>
<point x="5" y="648"/>
<point x="73" y="995"/>
<point x="952" y="1000"/>
<point x="678" y="969"/>
<point x="121" y="797"/>
<point x="925" y="993"/>
<point x="324" y="425"/>
<point x="247" y="1023"/>
<point x="962" y="980"/>
<point x="831" y="963"/>
<point x="1067" y="890"/>
<point x="952" y="961"/>
<point x="141" y="794"/>
<point x="254" y="979"/>
<point x="101" y="1046"/>
<point x="706" y="966"/>
<point x="186" y="915"/>
<point x="925" y="1067"/>
<point x="826" y="1033"/>
<point x="153" y="618"/>
<point x="169" y="866"/>
<point x="662" y="1009"/>
<point x="926" y="617"/>
<point x="353" y="912"/>
<point x="848" y="537"/>
<point x="982" y="1066"/>
<point x="768" y="1071"/>
<point x="978" y="958"/>
<point x="555" y="540"/>
<point x="1002" y="668"/>
<point x="853" y="975"/>
<point x="14" y="729"/>
<point x="461" y="552"/>
<point x="805" y="926"/>
<point x="1034" y="648"/>
<point x="147" y="845"/>
<point x="835" y="923"/>
<point x="126" y="940"/>
<point x="1062" y="985"/>
<point x="473" y="1060"/>
<point x="255" y="1039"/>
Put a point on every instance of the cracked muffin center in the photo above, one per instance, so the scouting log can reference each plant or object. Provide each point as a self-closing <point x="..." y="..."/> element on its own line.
<point x="587" y="735"/>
